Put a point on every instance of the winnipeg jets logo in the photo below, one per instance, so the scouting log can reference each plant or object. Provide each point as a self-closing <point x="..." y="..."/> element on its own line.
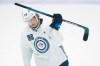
<point x="41" y="44"/>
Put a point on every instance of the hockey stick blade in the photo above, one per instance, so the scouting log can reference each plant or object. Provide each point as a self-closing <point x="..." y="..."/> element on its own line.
<point x="86" y="33"/>
<point x="86" y="30"/>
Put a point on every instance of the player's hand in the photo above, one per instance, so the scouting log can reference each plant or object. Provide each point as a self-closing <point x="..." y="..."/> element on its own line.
<point x="56" y="22"/>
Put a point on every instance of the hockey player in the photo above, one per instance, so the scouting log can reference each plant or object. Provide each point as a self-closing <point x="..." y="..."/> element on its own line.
<point x="44" y="44"/>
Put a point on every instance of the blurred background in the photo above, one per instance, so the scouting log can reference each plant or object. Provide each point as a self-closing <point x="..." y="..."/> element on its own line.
<point x="84" y="12"/>
<point x="50" y="1"/>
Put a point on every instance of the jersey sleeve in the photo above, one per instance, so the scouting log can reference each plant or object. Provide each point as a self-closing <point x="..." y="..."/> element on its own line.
<point x="26" y="51"/>
<point x="56" y="36"/>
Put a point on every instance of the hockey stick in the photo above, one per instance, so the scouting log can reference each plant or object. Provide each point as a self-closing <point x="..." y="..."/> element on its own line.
<point x="86" y="30"/>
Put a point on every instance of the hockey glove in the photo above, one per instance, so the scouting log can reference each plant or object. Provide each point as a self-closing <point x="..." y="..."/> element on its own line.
<point x="56" y="22"/>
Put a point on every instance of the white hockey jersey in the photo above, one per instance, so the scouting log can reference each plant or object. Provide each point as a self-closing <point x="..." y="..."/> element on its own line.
<point x="44" y="44"/>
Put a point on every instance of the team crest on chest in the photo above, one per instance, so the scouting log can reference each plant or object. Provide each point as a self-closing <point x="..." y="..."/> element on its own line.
<point x="41" y="44"/>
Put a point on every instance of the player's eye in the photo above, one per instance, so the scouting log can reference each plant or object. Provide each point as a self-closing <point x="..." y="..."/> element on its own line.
<point x="34" y="17"/>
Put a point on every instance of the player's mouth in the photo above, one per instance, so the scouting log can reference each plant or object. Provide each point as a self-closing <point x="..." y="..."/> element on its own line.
<point x="33" y="25"/>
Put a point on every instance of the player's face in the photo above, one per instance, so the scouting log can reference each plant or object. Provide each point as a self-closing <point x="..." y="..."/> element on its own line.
<point x="33" y="22"/>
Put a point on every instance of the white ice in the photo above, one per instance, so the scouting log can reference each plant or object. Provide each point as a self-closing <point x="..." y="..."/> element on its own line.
<point x="80" y="53"/>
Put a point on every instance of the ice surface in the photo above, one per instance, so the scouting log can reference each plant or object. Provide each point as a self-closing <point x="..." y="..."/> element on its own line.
<point x="80" y="53"/>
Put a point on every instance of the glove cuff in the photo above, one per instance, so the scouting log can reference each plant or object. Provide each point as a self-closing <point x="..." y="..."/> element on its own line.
<point x="55" y="26"/>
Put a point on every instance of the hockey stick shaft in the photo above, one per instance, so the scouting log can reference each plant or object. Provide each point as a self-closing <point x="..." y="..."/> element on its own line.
<point x="33" y="9"/>
<point x="85" y="37"/>
<point x="46" y="14"/>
